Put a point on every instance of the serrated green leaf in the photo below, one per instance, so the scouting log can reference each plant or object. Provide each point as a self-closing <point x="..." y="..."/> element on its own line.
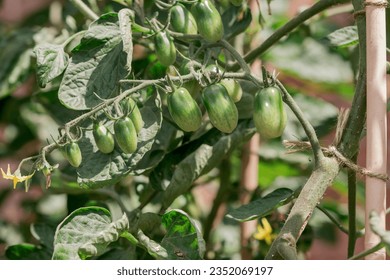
<point x="183" y="240"/>
<point x="51" y="62"/>
<point x="86" y="232"/>
<point x="263" y="206"/>
<point x="344" y="37"/>
<point x="202" y="160"/>
<point x="97" y="64"/>
<point x="98" y="169"/>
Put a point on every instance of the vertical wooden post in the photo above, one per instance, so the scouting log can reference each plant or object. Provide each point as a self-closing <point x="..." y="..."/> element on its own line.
<point x="376" y="119"/>
<point x="248" y="184"/>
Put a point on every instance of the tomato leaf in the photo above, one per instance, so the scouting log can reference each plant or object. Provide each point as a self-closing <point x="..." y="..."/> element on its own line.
<point x="86" y="232"/>
<point x="183" y="239"/>
<point x="200" y="161"/>
<point x="235" y="21"/>
<point x="344" y="37"/>
<point x="97" y="64"/>
<point x="51" y="62"/>
<point x="262" y="206"/>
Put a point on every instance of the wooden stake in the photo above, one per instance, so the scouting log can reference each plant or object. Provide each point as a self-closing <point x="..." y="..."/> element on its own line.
<point x="376" y="119"/>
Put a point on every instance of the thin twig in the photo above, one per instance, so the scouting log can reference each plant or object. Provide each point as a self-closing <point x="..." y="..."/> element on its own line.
<point x="310" y="132"/>
<point x="368" y="252"/>
<point x="333" y="219"/>
<point x="287" y="28"/>
<point x="84" y="9"/>
<point x="352" y="209"/>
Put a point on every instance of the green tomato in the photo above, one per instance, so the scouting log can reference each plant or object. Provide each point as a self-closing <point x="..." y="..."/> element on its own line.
<point x="209" y="20"/>
<point x="233" y="88"/>
<point x="73" y="154"/>
<point x="125" y="135"/>
<point x="222" y="111"/>
<point x="192" y="86"/>
<point x="165" y="48"/>
<point x="134" y="113"/>
<point x="269" y="113"/>
<point x="182" y="20"/>
<point x="184" y="110"/>
<point x="103" y="138"/>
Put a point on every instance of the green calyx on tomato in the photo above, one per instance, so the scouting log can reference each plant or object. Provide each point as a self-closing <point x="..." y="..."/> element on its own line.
<point x="184" y="110"/>
<point x="165" y="48"/>
<point x="269" y="113"/>
<point x="232" y="86"/>
<point x="125" y="135"/>
<point x="103" y="138"/>
<point x="209" y="20"/>
<point x="220" y="107"/>
<point x="73" y="154"/>
<point x="182" y="20"/>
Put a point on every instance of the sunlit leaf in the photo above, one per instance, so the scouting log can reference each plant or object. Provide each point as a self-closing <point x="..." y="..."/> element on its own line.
<point x="183" y="239"/>
<point x="86" y="232"/>
<point x="344" y="37"/>
<point x="96" y="66"/>
<point x="262" y="206"/>
<point x="51" y="62"/>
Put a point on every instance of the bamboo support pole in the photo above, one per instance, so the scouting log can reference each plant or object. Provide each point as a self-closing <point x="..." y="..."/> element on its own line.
<point x="248" y="184"/>
<point x="376" y="119"/>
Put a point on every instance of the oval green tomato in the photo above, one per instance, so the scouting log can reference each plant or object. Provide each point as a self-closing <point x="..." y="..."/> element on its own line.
<point x="103" y="138"/>
<point x="182" y="20"/>
<point x="125" y="135"/>
<point x="73" y="154"/>
<point x="222" y="111"/>
<point x="209" y="20"/>
<point x="134" y="114"/>
<point x="184" y="110"/>
<point x="165" y="48"/>
<point x="233" y="88"/>
<point x="269" y="113"/>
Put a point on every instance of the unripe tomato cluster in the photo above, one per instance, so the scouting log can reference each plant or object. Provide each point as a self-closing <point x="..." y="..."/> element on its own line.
<point x="202" y="18"/>
<point x="218" y="100"/>
<point x="125" y="134"/>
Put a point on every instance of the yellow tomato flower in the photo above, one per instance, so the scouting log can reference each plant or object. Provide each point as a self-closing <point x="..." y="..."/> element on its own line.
<point x="264" y="232"/>
<point x="16" y="177"/>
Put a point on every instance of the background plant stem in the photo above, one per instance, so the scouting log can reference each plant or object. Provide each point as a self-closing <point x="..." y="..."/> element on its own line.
<point x="84" y="9"/>
<point x="287" y="28"/>
<point x="351" y="210"/>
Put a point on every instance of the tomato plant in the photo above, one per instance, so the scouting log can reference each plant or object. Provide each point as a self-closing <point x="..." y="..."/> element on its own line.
<point x="168" y="98"/>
